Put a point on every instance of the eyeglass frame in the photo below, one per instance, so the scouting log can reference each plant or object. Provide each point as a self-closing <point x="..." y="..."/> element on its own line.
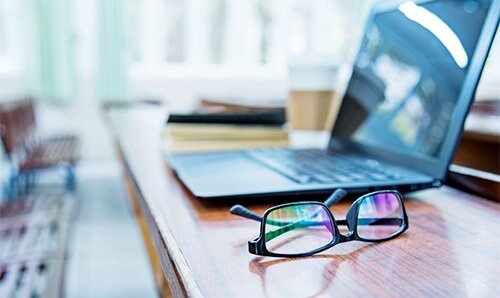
<point x="257" y="246"/>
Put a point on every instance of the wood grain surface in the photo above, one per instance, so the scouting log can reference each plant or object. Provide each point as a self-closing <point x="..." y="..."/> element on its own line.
<point x="451" y="248"/>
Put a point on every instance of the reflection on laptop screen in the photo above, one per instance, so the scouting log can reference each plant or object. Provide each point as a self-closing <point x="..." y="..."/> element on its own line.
<point x="408" y="75"/>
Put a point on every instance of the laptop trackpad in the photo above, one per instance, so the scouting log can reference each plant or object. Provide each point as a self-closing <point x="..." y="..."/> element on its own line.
<point x="226" y="174"/>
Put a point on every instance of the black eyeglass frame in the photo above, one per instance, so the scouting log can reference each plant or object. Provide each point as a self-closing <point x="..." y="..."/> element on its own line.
<point x="258" y="245"/>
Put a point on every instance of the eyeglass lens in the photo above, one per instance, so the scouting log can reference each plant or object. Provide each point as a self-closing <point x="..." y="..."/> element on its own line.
<point x="298" y="229"/>
<point x="380" y="216"/>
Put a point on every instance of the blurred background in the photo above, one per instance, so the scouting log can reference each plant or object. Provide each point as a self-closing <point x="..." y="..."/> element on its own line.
<point x="75" y="54"/>
<point x="72" y="56"/>
<point x="79" y="53"/>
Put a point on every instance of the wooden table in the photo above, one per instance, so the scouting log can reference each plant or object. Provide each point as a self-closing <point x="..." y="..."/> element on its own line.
<point x="199" y="249"/>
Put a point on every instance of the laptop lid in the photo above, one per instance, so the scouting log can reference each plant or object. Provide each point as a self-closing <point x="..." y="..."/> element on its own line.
<point x="414" y="79"/>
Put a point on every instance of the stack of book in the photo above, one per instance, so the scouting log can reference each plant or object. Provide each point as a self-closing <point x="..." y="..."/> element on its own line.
<point x="227" y="125"/>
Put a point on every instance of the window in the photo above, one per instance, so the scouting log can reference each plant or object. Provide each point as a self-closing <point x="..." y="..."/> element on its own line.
<point x="242" y="33"/>
<point x="207" y="38"/>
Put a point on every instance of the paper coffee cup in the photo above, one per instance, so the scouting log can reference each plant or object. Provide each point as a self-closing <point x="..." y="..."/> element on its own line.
<point x="312" y="95"/>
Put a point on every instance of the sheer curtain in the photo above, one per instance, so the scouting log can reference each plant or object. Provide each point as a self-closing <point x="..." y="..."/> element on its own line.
<point x="49" y="68"/>
<point x="111" y="75"/>
<point x="49" y="51"/>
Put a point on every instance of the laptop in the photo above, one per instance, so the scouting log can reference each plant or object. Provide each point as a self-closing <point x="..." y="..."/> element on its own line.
<point x="401" y="117"/>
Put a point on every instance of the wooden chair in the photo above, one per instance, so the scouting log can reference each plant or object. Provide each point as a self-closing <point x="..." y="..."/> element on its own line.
<point x="29" y="153"/>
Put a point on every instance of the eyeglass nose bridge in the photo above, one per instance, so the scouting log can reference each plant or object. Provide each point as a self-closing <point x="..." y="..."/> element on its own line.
<point x="347" y="237"/>
<point x="349" y="223"/>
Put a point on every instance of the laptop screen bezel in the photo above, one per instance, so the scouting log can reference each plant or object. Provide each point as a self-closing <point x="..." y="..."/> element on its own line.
<point x="434" y="166"/>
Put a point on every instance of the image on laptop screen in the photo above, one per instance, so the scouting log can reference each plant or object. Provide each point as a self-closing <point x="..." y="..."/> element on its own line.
<point x="408" y="75"/>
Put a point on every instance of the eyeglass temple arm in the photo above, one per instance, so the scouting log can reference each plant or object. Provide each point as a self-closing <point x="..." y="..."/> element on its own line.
<point x="335" y="197"/>
<point x="292" y="226"/>
<point x="341" y="222"/>
<point x="244" y="212"/>
<point x="361" y="221"/>
<point x="239" y="210"/>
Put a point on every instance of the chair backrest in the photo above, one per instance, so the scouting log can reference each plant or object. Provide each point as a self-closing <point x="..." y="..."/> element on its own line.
<point x="17" y="123"/>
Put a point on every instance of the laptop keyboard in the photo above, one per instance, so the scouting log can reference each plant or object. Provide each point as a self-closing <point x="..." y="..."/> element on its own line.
<point x="319" y="166"/>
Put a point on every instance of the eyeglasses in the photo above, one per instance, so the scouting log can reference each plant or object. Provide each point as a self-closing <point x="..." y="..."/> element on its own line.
<point x="306" y="228"/>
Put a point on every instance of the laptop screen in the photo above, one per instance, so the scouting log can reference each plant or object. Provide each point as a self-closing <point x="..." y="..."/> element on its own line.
<point x="408" y="75"/>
